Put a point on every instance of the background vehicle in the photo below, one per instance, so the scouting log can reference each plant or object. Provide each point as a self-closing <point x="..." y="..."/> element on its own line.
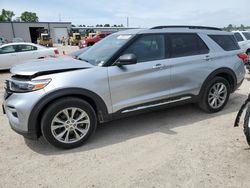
<point x="16" y="53"/>
<point x="126" y="73"/>
<point x="90" y="41"/>
<point x="74" y="39"/>
<point x="44" y="38"/>
<point x="243" y="38"/>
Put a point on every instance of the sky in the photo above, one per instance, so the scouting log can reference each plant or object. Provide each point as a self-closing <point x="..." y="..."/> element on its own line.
<point x="141" y="13"/>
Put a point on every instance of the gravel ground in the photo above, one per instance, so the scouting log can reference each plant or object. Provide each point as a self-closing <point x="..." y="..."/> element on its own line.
<point x="177" y="147"/>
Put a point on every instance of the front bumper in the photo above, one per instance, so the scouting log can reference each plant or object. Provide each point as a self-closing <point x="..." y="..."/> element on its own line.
<point x="18" y="107"/>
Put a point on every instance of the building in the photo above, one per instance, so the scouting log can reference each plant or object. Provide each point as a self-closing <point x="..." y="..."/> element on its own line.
<point x="29" y="31"/>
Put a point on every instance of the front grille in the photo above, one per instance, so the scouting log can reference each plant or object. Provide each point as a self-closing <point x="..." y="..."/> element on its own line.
<point x="7" y="92"/>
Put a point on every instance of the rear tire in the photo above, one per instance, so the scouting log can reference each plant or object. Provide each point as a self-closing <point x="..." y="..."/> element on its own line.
<point x="246" y="127"/>
<point x="68" y="123"/>
<point x="215" y="95"/>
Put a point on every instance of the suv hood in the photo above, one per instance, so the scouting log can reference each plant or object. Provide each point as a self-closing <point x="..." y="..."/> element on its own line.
<point x="46" y="66"/>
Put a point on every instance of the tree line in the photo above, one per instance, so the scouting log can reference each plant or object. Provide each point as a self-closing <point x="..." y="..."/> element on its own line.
<point x="8" y="16"/>
<point x="232" y="27"/>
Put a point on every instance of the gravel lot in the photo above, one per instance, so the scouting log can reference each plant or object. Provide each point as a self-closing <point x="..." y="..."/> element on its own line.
<point x="177" y="147"/>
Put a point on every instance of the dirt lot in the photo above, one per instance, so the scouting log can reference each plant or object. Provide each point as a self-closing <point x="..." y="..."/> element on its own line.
<point x="177" y="147"/>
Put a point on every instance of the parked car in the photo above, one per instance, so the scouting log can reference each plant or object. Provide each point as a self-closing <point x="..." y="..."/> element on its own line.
<point x="243" y="39"/>
<point x="126" y="73"/>
<point x="90" y="41"/>
<point x="16" y="53"/>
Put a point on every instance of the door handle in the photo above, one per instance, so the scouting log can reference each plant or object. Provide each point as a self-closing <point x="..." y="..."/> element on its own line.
<point x="207" y="58"/>
<point x="158" y="66"/>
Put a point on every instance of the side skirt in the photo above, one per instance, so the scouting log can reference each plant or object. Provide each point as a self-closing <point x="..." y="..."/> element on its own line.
<point x="153" y="106"/>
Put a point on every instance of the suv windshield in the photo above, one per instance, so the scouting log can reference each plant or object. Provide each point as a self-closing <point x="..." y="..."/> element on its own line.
<point x="105" y="49"/>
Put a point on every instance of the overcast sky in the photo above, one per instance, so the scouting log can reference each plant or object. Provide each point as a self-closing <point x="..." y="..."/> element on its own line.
<point x="141" y="13"/>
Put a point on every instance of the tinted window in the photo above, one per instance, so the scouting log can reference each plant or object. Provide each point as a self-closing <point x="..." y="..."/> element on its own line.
<point x="148" y="48"/>
<point x="186" y="45"/>
<point x="227" y="42"/>
<point x="7" y="49"/>
<point x="24" y="48"/>
<point x="247" y="35"/>
<point x="238" y="37"/>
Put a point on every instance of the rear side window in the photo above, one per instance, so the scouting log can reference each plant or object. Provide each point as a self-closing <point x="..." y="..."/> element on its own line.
<point x="247" y="35"/>
<point x="226" y="42"/>
<point x="238" y="37"/>
<point x="186" y="45"/>
<point x="25" y="48"/>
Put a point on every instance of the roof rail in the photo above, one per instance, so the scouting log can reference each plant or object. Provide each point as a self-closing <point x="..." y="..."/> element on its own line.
<point x="186" y="26"/>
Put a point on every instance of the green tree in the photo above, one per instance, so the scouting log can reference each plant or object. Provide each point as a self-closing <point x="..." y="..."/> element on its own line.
<point x="106" y="25"/>
<point x="6" y="15"/>
<point x="242" y="27"/>
<point x="29" y="17"/>
<point x="229" y="27"/>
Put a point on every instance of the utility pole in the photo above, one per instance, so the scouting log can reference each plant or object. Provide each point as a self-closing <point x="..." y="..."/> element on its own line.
<point x="60" y="17"/>
<point x="127" y="21"/>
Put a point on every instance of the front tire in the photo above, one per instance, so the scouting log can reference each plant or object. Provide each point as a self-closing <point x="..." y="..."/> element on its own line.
<point x="68" y="123"/>
<point x="216" y="95"/>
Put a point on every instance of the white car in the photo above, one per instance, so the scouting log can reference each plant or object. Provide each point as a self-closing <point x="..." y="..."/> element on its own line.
<point x="243" y="38"/>
<point x="16" y="53"/>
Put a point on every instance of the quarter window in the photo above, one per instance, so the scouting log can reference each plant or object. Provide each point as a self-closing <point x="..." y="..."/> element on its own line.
<point x="148" y="48"/>
<point x="24" y="48"/>
<point x="186" y="45"/>
<point x="226" y="42"/>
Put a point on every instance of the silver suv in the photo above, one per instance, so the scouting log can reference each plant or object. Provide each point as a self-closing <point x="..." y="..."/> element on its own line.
<point x="126" y="73"/>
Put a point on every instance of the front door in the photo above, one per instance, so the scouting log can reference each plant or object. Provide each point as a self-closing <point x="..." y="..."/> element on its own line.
<point x="144" y="82"/>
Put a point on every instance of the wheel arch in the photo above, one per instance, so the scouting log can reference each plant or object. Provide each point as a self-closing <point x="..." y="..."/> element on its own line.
<point x="34" y="122"/>
<point x="225" y="73"/>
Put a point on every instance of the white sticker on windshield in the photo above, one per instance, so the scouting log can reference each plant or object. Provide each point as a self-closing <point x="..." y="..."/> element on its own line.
<point x="124" y="37"/>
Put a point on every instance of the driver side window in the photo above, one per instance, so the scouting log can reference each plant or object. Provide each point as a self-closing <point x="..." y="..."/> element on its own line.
<point x="148" y="48"/>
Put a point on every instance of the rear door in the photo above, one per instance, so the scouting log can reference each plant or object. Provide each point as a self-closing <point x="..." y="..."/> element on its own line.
<point x="190" y="63"/>
<point x="144" y="82"/>
<point x="8" y="56"/>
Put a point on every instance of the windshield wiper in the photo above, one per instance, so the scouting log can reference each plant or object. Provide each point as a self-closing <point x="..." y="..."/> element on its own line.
<point x="82" y="59"/>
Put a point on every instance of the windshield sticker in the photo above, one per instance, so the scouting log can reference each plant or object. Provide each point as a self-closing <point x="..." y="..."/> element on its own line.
<point x="124" y="37"/>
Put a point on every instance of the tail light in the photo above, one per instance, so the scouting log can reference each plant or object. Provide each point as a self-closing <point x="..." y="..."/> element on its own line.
<point x="56" y="52"/>
<point x="243" y="57"/>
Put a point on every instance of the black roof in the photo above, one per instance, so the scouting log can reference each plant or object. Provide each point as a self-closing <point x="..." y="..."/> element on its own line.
<point x="186" y="26"/>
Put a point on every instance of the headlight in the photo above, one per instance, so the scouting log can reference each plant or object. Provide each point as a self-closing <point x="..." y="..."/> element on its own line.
<point x="27" y="86"/>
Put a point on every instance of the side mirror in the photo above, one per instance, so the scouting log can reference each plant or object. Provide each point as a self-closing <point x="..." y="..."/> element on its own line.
<point x="126" y="59"/>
